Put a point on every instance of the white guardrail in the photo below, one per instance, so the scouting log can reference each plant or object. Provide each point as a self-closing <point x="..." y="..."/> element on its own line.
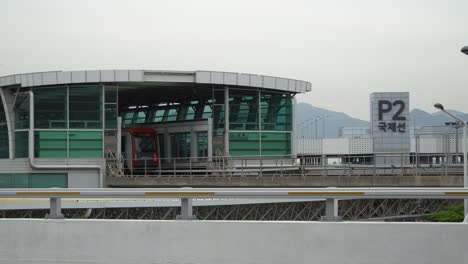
<point x="332" y="195"/>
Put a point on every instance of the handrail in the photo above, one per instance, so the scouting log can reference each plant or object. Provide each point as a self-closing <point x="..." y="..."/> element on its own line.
<point x="330" y="195"/>
<point x="293" y="193"/>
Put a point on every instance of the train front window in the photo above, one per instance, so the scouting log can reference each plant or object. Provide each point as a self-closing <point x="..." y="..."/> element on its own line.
<point x="145" y="144"/>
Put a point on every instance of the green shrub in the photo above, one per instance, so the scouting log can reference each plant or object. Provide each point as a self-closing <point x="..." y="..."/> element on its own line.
<point x="448" y="214"/>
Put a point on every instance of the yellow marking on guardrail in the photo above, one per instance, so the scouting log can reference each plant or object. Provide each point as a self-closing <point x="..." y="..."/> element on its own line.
<point x="47" y="193"/>
<point x="326" y="193"/>
<point x="456" y="193"/>
<point x="179" y="193"/>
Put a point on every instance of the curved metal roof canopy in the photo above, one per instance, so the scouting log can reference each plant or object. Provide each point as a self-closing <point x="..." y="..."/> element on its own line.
<point x="149" y="76"/>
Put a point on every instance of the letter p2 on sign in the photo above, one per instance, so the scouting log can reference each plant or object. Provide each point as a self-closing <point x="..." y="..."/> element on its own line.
<point x="385" y="106"/>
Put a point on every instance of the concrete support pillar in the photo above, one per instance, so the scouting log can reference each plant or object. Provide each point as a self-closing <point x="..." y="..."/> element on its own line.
<point x="55" y="209"/>
<point x="186" y="210"/>
<point x="331" y="210"/>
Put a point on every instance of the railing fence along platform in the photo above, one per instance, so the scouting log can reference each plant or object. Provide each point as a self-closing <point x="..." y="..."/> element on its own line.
<point x="397" y="164"/>
<point x="331" y="195"/>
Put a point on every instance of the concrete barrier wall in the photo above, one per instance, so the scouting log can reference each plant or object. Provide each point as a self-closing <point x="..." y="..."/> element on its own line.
<point x="117" y="241"/>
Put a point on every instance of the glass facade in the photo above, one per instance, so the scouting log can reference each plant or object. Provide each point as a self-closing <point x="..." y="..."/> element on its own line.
<point x="21" y="144"/>
<point x="68" y="121"/>
<point x="111" y="116"/>
<point x="254" y="118"/>
<point x="85" y="107"/>
<point x="85" y="144"/>
<point x="276" y="143"/>
<point x="4" y="150"/>
<point x="260" y="123"/>
<point x="33" y="180"/>
<point x="180" y="145"/>
<point x="22" y="112"/>
<point x="244" y="143"/>
<point x="243" y="110"/>
<point x="276" y="111"/>
<point x="50" y="108"/>
<point x="50" y="144"/>
<point x="202" y="144"/>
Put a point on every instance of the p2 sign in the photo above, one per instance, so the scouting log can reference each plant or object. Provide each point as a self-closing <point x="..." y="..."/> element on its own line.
<point x="390" y="121"/>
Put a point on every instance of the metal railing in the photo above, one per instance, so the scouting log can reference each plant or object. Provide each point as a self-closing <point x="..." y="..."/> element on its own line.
<point x="331" y="195"/>
<point x="391" y="164"/>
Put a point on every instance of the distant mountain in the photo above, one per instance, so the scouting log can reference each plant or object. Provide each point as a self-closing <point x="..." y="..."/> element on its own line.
<point x="421" y="118"/>
<point x="335" y="120"/>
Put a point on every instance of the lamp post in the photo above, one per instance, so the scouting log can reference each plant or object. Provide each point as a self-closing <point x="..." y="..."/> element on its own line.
<point x="311" y="126"/>
<point x="316" y="119"/>
<point x="465" y="50"/>
<point x="465" y="175"/>
<point x="323" y="125"/>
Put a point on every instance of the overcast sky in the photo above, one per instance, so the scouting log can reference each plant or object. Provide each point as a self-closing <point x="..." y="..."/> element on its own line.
<point x="346" y="49"/>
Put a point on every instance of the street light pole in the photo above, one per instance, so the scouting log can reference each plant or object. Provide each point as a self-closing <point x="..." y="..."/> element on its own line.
<point x="465" y="175"/>
<point x="316" y="126"/>
<point x="465" y="50"/>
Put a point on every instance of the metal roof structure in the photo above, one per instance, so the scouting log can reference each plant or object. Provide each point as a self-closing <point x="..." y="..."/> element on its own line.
<point x="152" y="76"/>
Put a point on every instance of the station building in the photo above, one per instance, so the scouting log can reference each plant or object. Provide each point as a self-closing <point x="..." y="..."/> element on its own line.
<point x="70" y="129"/>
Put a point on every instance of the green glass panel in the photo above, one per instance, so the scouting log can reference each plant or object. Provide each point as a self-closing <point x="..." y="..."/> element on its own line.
<point x="207" y="112"/>
<point x="85" y="144"/>
<point x="218" y="120"/>
<point x="159" y="115"/>
<point x="110" y="94"/>
<point x="85" y="135"/>
<point x="180" y="145"/>
<point x="171" y="115"/>
<point x="202" y="144"/>
<point x="5" y="180"/>
<point x="243" y="110"/>
<point x="50" y="107"/>
<point x="276" y="111"/>
<point x="86" y="153"/>
<point x="111" y="116"/>
<point x="19" y="180"/>
<point x="21" y="144"/>
<point x="33" y="180"/>
<point x="51" y="144"/>
<point x="14" y="180"/>
<point x="85" y="106"/>
<point x="46" y="180"/>
<point x="190" y="114"/>
<point x="128" y="117"/>
<point x="141" y="117"/>
<point x="22" y="112"/>
<point x="276" y="144"/>
<point x="244" y="144"/>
